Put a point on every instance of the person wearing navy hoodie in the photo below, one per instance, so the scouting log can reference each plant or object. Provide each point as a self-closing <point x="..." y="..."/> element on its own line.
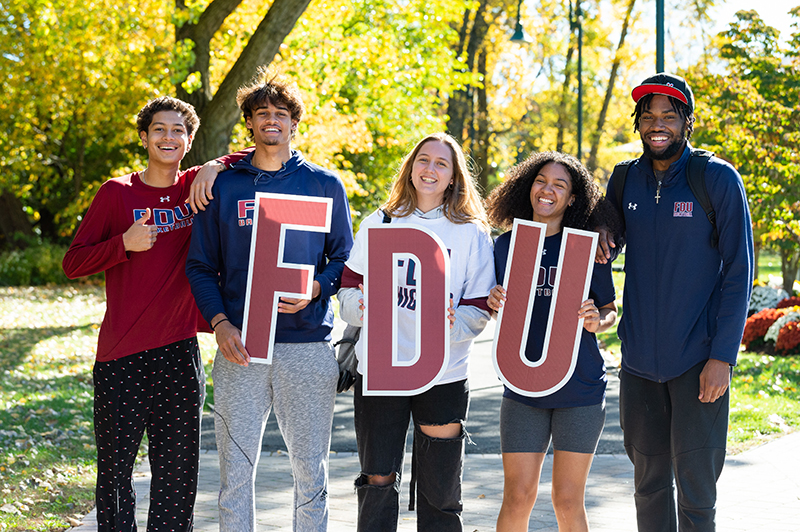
<point x="300" y="384"/>
<point x="684" y="308"/>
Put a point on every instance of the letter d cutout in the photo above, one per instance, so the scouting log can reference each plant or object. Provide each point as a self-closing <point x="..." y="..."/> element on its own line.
<point x="563" y="335"/>
<point x="384" y="373"/>
<point x="268" y="276"/>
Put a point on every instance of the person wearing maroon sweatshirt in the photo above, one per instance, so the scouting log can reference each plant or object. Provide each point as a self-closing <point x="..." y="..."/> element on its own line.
<point x="148" y="375"/>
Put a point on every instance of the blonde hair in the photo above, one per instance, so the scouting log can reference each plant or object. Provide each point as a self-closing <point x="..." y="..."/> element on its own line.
<point x="461" y="204"/>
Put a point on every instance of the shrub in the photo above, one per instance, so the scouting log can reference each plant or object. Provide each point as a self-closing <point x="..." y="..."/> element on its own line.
<point x="788" y="342"/>
<point x="758" y="324"/>
<point x="765" y="297"/>
<point x="38" y="264"/>
<point x="793" y="301"/>
<point x="790" y="314"/>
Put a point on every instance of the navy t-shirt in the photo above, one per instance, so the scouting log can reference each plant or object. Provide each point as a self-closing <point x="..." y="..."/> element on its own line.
<point x="587" y="386"/>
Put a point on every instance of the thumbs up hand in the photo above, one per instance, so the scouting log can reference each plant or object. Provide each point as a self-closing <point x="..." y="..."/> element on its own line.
<point x="140" y="237"/>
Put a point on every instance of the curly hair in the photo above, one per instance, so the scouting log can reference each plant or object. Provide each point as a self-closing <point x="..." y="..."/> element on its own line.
<point x="266" y="87"/>
<point x="167" y="103"/>
<point x="512" y="198"/>
<point x="462" y="203"/>
<point x="683" y="110"/>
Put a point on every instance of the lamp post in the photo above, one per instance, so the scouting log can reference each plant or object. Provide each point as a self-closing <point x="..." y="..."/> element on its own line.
<point x="579" y="16"/>
<point x="577" y="23"/>
<point x="519" y="33"/>
<point x="659" y="36"/>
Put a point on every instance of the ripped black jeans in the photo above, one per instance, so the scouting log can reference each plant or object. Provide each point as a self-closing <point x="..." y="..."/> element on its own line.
<point x="381" y="427"/>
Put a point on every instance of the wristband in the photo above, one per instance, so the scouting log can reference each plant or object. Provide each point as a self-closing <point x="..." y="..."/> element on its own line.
<point x="214" y="327"/>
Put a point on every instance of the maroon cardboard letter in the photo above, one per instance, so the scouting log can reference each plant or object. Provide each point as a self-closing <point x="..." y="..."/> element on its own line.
<point x="269" y="277"/>
<point x="386" y="373"/>
<point x="562" y="338"/>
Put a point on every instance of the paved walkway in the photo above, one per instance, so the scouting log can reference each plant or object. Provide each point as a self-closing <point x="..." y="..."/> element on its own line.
<point x="759" y="491"/>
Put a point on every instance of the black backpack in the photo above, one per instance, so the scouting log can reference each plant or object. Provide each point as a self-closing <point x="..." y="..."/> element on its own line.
<point x="695" y="175"/>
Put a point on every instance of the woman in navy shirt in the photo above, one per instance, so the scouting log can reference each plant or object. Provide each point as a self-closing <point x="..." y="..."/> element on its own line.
<point x="557" y="190"/>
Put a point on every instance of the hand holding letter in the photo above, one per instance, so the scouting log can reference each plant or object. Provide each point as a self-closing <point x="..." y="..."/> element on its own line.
<point x="496" y="298"/>
<point x="590" y="315"/>
<point x="451" y="314"/>
<point x="290" y="305"/>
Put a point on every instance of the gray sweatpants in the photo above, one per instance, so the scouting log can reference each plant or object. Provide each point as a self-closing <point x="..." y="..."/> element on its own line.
<point x="300" y="385"/>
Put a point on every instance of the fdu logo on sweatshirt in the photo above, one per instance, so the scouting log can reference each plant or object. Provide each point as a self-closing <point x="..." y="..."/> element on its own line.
<point x="682" y="209"/>
<point x="246" y="208"/>
<point x="167" y="220"/>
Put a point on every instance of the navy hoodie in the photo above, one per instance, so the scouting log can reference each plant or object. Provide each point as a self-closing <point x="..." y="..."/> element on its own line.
<point x="219" y="253"/>
<point x="685" y="300"/>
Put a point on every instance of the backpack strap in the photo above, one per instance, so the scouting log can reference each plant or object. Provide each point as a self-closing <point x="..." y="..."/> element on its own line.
<point x="696" y="176"/>
<point x="386" y="218"/>
<point x="618" y="177"/>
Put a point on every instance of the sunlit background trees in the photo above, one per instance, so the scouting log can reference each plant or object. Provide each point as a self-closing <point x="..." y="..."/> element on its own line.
<point x="376" y="76"/>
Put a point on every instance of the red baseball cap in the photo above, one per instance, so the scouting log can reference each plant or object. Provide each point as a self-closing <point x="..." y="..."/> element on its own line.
<point x="666" y="84"/>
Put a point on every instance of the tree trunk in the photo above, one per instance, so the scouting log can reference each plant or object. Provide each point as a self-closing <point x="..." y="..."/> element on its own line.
<point x="219" y="114"/>
<point x="456" y="102"/>
<point x="480" y="147"/>
<point x="462" y="32"/>
<point x="201" y="33"/>
<point x="790" y="259"/>
<point x="756" y="253"/>
<point x="565" y="95"/>
<point x="612" y="78"/>
<point x="459" y="103"/>
<point x="13" y="222"/>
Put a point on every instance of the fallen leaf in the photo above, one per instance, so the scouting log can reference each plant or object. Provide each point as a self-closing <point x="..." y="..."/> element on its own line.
<point x="778" y="421"/>
<point x="9" y="509"/>
<point x="73" y="522"/>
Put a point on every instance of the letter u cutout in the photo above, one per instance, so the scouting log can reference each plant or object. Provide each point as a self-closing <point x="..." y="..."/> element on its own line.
<point x="384" y="372"/>
<point x="562" y="338"/>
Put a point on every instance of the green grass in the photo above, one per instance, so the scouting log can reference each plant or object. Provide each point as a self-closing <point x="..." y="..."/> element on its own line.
<point x="47" y="465"/>
<point x="765" y="399"/>
<point x="769" y="263"/>
<point x="48" y="338"/>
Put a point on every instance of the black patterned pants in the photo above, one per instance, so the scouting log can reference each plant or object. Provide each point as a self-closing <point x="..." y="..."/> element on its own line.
<point x="160" y="391"/>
